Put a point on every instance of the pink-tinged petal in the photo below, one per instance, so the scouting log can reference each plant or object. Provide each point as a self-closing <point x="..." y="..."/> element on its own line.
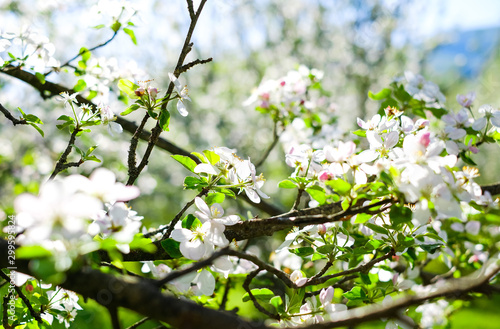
<point x="181" y="235"/>
<point x="194" y="249"/>
<point x="223" y="263"/>
<point x="326" y="295"/>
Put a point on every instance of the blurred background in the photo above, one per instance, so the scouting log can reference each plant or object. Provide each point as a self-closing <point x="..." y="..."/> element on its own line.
<point x="360" y="45"/>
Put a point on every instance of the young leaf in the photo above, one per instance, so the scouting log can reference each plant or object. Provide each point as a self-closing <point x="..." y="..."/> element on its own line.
<point x="186" y="161"/>
<point x="212" y="157"/>
<point x="130" y="109"/>
<point x="131" y="34"/>
<point x="128" y="87"/>
<point x="172" y="248"/>
<point x="164" y="120"/>
<point x="286" y="184"/>
<point x="263" y="295"/>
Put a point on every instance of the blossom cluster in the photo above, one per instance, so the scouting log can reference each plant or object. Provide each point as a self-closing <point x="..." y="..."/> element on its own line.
<point x="239" y="173"/>
<point x="69" y="212"/>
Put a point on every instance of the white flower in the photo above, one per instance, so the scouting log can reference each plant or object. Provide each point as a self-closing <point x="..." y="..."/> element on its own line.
<point x="467" y="99"/>
<point x="298" y="278"/>
<point x="67" y="98"/>
<point x="102" y="184"/>
<point x="214" y="213"/>
<point x="120" y="222"/>
<point x="194" y="244"/>
<point x="183" y="95"/>
<point x="107" y="118"/>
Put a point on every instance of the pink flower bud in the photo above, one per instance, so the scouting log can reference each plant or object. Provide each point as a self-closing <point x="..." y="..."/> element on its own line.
<point x="321" y="229"/>
<point x="325" y="176"/>
<point x="140" y="91"/>
<point x="425" y="139"/>
<point x="473" y="149"/>
<point x="152" y="92"/>
<point x="282" y="83"/>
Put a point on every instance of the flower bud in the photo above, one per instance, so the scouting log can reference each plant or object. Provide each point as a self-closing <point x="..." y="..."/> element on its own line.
<point x="321" y="229"/>
<point x="140" y="91"/>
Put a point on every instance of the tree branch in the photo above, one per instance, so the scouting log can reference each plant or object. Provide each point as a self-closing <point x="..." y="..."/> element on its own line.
<point x="9" y="116"/>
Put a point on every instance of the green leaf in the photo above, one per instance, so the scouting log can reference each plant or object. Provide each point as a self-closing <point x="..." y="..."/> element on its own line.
<point x="360" y="133"/>
<point x="37" y="129"/>
<point x="92" y="158"/>
<point x="130" y="109"/>
<point x="302" y="251"/>
<point x="377" y="228"/>
<point x="400" y="215"/>
<point x="171" y="247"/>
<point x="226" y="191"/>
<point x="215" y="198"/>
<point x="139" y="242"/>
<point x="362" y="218"/>
<point x="33" y="118"/>
<point x="277" y="302"/>
<point x="430" y="247"/>
<point x="40" y="77"/>
<point x="192" y="183"/>
<point x="85" y="53"/>
<point x="100" y="26"/>
<point x="263" y="295"/>
<point x="212" y="157"/>
<point x="339" y="186"/>
<point x="128" y="87"/>
<point x="186" y="161"/>
<point x="80" y="85"/>
<point x="164" y="120"/>
<point x="199" y="156"/>
<point x="317" y="193"/>
<point x="190" y="221"/>
<point x="65" y="118"/>
<point x="383" y="94"/>
<point x="345" y="204"/>
<point x="326" y="249"/>
<point x="356" y="293"/>
<point x="286" y="184"/>
<point x="29" y="252"/>
<point x="131" y="34"/>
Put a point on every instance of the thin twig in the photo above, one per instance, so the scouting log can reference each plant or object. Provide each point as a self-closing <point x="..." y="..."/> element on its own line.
<point x="5" y="318"/>
<point x="138" y="323"/>
<point x="297" y="200"/>
<point x="246" y="286"/>
<point x="133" y="147"/>
<point x="360" y="268"/>
<point x="156" y="131"/>
<point x="61" y="164"/>
<point x="190" y="8"/>
<point x="9" y="116"/>
<point x="199" y="265"/>
<point x="177" y="217"/>
<point x="223" y="302"/>
<point x="190" y="65"/>
<point x="80" y="53"/>
<point x="276" y="138"/>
